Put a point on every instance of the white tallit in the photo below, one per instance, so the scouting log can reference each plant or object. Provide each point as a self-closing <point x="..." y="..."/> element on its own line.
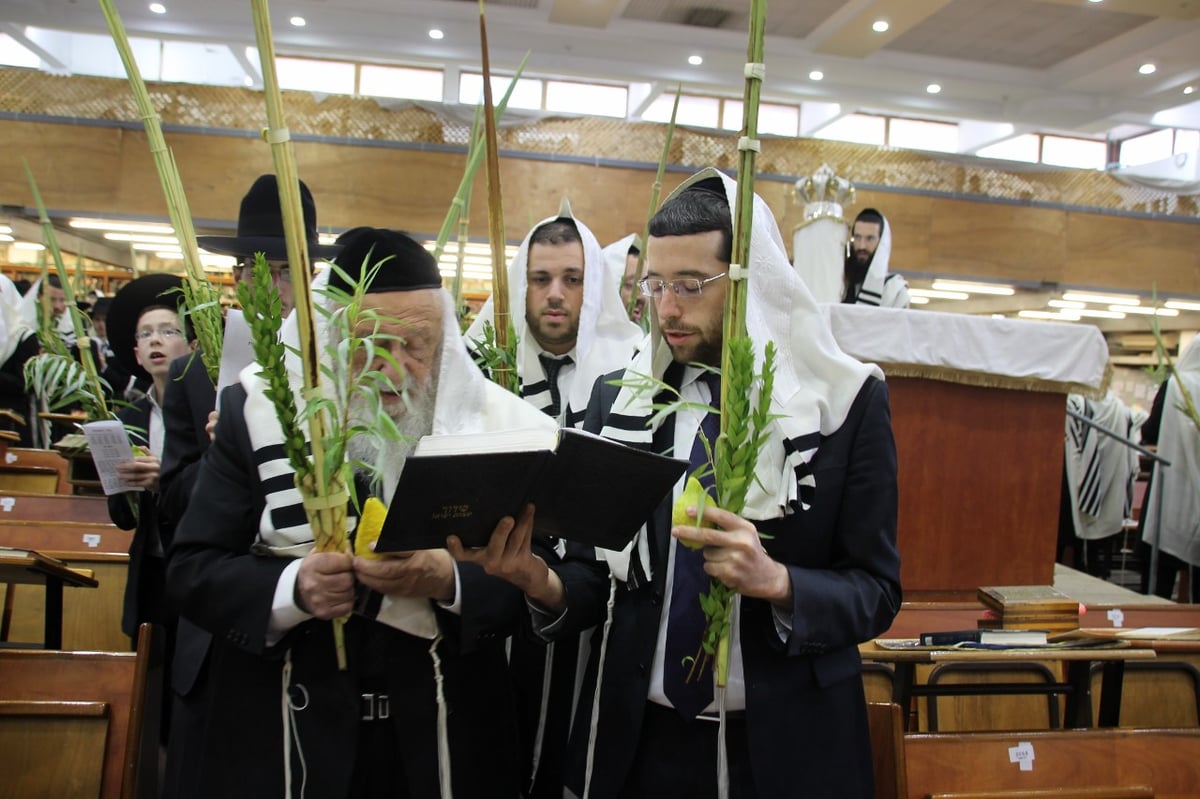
<point x="815" y="382"/>
<point x="13" y="327"/>
<point x="614" y="259"/>
<point x="1179" y="483"/>
<point x="467" y="402"/>
<point x="1098" y="467"/>
<point x="606" y="336"/>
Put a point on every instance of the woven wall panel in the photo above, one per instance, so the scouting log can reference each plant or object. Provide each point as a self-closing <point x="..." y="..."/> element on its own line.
<point x="28" y="92"/>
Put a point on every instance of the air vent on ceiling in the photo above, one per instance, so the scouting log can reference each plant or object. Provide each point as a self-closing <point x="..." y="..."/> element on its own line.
<point x="702" y="17"/>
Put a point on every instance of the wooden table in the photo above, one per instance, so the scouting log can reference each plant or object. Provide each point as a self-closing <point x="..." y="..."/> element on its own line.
<point x="1076" y="687"/>
<point x="32" y="567"/>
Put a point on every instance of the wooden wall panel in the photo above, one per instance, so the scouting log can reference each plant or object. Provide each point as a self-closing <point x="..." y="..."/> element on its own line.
<point x="109" y="170"/>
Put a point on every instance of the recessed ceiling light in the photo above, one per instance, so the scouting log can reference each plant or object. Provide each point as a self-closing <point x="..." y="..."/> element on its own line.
<point x="158" y="8"/>
<point x="880" y="26"/>
<point x="933" y="88"/>
<point x="298" y="22"/>
<point x="1095" y="1"/>
<point x="1147" y="69"/>
<point x="436" y="33"/>
<point x="1189" y="89"/>
<point x="695" y="60"/>
<point x="816" y="74"/>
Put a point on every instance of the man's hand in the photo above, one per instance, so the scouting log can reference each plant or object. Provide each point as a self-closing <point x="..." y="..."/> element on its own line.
<point x="211" y="426"/>
<point x="325" y="584"/>
<point x="509" y="555"/>
<point x="422" y="574"/>
<point x="734" y="555"/>
<point x="141" y="472"/>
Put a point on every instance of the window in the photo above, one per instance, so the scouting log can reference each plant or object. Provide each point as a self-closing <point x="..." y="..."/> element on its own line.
<point x="527" y="94"/>
<point x="701" y="112"/>
<point x="194" y="62"/>
<point x="1018" y="148"/>
<point x="91" y="54"/>
<point x="919" y="134"/>
<point x="402" y="82"/>
<point x="1148" y="147"/>
<point x="860" y="128"/>
<point x="1187" y="141"/>
<point x="13" y="54"/>
<point x="586" y="98"/>
<point x="311" y="75"/>
<point x="1074" y="153"/>
<point x="774" y="119"/>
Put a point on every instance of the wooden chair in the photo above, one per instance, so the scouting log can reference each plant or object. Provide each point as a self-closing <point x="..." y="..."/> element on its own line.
<point x="41" y="471"/>
<point x="1081" y="764"/>
<point x="878" y="681"/>
<point x="886" y="721"/>
<point x="1157" y="693"/>
<point x="81" y="723"/>
<point x="1007" y="711"/>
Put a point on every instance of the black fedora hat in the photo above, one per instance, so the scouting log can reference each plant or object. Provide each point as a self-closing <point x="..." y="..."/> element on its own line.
<point x="156" y="288"/>
<point x="260" y="225"/>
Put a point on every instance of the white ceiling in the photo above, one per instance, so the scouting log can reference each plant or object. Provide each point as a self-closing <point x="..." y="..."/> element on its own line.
<point x="1041" y="65"/>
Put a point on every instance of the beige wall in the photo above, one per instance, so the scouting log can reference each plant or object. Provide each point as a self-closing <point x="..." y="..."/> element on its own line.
<point x="109" y="170"/>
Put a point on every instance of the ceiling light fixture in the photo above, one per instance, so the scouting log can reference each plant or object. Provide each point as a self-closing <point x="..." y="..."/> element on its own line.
<point x="974" y="288"/>
<point x="919" y="300"/>
<point x="1066" y="304"/>
<point x="1189" y="89"/>
<point x="1099" y="314"/>
<point x="939" y="295"/>
<point x="1145" y="310"/>
<point x="695" y="60"/>
<point x="158" y="8"/>
<point x="81" y="223"/>
<point x="880" y="26"/>
<point x="1051" y="316"/>
<point x="28" y="245"/>
<point x="1183" y="305"/>
<point x="144" y="238"/>
<point x="5" y="237"/>
<point x="298" y="22"/>
<point x="1101" y="299"/>
<point x="816" y="74"/>
<point x="1147" y="69"/>
<point x="5" y="228"/>
<point x="436" y="33"/>
<point x="933" y="88"/>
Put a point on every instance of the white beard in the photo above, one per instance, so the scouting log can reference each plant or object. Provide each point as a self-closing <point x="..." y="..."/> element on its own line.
<point x="388" y="456"/>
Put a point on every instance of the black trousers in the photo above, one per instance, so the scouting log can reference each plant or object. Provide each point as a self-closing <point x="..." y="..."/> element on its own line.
<point x="677" y="758"/>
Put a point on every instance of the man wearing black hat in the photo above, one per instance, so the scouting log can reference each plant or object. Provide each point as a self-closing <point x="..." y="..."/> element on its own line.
<point x="146" y="335"/>
<point x="190" y="399"/>
<point x="425" y="706"/>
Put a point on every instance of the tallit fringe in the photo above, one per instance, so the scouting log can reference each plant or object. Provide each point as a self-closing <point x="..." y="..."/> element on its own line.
<point x="540" y="736"/>
<point x="987" y="380"/>
<point x="443" y="729"/>
<point x="289" y="732"/>
<point x="594" y="721"/>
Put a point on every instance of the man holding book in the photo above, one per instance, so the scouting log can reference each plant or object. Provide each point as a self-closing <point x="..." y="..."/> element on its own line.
<point x="814" y="559"/>
<point x="424" y="708"/>
<point x="574" y="328"/>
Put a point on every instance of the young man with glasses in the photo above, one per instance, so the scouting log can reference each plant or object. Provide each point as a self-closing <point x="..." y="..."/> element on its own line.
<point x="812" y="555"/>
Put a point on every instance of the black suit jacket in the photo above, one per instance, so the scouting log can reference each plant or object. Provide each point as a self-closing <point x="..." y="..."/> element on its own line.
<point x="805" y="709"/>
<point x="144" y="597"/>
<point x="220" y="584"/>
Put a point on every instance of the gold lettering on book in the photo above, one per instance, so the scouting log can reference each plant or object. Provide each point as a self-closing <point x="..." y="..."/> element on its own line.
<point x="452" y="512"/>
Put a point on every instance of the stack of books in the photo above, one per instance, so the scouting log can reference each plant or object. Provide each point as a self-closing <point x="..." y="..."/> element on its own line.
<point x="1028" y="607"/>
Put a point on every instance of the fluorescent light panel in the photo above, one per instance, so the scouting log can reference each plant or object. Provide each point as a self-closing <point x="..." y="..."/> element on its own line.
<point x="1101" y="299"/>
<point x="1183" y="305"/>
<point x="1145" y="310"/>
<point x="939" y="295"/>
<point x="974" y="288"/>
<point x="121" y="227"/>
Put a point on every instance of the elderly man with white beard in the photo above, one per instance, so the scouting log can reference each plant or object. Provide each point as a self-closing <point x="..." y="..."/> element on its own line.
<point x="425" y="707"/>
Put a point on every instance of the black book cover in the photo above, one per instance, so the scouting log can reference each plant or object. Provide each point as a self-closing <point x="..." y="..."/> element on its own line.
<point x="586" y="489"/>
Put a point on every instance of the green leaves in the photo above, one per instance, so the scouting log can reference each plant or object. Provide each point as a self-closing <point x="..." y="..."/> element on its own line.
<point x="498" y="358"/>
<point x="62" y="381"/>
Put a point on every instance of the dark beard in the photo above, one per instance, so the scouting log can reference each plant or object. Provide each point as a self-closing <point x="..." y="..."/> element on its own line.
<point x="855" y="271"/>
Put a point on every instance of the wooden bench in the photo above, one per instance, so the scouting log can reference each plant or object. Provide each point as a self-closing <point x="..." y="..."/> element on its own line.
<point x="887" y="750"/>
<point x="33" y="470"/>
<point x="81" y="723"/>
<point x="92" y="618"/>
<point x="1161" y="763"/>
<point x="31" y="507"/>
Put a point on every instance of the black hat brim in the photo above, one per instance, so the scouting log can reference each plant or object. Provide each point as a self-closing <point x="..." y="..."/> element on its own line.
<point x="157" y="288"/>
<point x="273" y="247"/>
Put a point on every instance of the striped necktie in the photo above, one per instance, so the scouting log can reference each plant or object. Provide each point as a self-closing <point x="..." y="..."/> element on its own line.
<point x="550" y="366"/>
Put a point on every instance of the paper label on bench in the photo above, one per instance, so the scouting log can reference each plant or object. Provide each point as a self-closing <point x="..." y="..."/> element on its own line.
<point x="1022" y="754"/>
<point x="7" y="503"/>
<point x="1116" y="617"/>
<point x="10" y="457"/>
<point x="91" y="539"/>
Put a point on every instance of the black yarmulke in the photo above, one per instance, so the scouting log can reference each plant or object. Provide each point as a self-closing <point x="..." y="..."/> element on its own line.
<point x="404" y="265"/>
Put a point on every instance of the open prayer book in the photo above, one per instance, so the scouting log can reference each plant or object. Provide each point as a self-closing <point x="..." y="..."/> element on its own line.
<point x="584" y="488"/>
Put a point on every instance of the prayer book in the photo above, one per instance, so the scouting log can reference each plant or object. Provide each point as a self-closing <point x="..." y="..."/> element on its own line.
<point x="584" y="488"/>
<point x="1027" y="599"/>
<point x="1015" y="638"/>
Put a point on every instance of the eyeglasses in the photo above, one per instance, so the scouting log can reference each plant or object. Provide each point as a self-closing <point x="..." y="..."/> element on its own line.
<point x="279" y="274"/>
<point x="683" y="287"/>
<point x="162" y="332"/>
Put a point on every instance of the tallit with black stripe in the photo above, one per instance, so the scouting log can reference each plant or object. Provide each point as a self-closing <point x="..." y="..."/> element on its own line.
<point x="815" y="382"/>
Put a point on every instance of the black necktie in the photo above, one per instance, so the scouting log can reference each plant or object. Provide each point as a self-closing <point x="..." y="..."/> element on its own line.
<point x="685" y="683"/>
<point x="550" y="366"/>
